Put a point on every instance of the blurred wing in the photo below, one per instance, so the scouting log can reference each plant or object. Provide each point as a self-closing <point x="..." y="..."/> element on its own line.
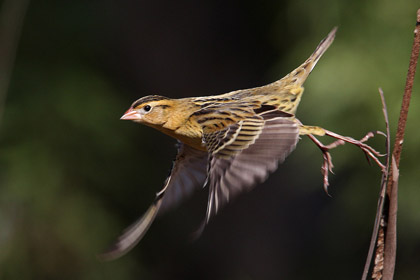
<point x="189" y="172"/>
<point x="250" y="157"/>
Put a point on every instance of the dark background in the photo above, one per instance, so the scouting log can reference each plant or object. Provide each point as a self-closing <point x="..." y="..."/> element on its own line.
<point x="73" y="176"/>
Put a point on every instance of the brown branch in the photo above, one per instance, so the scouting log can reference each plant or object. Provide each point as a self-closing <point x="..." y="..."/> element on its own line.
<point x="391" y="226"/>
<point x="392" y="187"/>
<point x="378" y="231"/>
<point x="387" y="219"/>
<point x="407" y="96"/>
<point x="379" y="257"/>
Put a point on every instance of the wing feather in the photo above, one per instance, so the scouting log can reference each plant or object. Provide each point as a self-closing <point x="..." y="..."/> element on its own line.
<point x="189" y="172"/>
<point x="261" y="144"/>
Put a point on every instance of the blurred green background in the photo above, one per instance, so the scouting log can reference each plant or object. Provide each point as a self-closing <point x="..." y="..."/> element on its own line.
<point x="73" y="176"/>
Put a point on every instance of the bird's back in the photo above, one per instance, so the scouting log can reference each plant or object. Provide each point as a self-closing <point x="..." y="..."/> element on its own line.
<point x="284" y="94"/>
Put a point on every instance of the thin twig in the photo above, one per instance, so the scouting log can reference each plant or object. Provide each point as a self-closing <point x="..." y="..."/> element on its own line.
<point x="407" y="95"/>
<point x="392" y="187"/>
<point x="391" y="227"/>
<point x="379" y="256"/>
<point x="388" y="220"/>
<point x="381" y="199"/>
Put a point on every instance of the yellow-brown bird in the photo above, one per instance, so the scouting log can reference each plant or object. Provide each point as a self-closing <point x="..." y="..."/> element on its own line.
<point x="228" y="142"/>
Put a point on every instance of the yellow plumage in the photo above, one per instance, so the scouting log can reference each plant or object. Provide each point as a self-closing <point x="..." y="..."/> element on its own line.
<point x="228" y="142"/>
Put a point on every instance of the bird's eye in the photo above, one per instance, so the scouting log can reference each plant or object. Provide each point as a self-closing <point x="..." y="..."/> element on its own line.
<point x="147" y="108"/>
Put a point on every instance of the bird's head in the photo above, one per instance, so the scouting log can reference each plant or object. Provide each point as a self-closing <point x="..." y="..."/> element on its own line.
<point x="151" y="110"/>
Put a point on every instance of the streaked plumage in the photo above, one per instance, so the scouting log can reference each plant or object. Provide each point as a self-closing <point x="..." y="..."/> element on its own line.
<point x="228" y="142"/>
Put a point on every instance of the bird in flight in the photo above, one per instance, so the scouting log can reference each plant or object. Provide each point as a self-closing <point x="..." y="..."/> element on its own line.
<point x="229" y="142"/>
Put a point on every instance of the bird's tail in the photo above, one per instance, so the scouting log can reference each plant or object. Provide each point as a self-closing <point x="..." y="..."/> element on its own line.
<point x="299" y="75"/>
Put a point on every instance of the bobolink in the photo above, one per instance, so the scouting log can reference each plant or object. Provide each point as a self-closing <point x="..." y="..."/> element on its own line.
<point x="228" y="142"/>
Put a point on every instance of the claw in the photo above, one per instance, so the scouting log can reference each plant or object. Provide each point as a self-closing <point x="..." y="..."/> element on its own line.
<point x="381" y="133"/>
<point x="327" y="165"/>
<point x="367" y="158"/>
<point x="370" y="134"/>
<point x="371" y="153"/>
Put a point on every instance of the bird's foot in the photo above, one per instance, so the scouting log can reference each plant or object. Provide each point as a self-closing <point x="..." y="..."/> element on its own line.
<point x="327" y="165"/>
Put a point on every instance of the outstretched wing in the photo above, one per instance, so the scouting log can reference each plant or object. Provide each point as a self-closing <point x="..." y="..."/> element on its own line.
<point x="248" y="156"/>
<point x="189" y="172"/>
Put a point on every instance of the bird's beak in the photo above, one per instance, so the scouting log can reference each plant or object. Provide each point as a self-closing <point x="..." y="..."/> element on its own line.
<point x="131" y="115"/>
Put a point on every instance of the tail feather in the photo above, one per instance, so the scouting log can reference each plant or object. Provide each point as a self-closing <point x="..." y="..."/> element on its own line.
<point x="299" y="75"/>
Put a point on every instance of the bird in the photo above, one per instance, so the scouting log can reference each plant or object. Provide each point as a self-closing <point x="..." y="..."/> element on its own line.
<point x="228" y="143"/>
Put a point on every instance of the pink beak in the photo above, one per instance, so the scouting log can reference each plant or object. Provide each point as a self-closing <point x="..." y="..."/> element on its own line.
<point x="131" y="115"/>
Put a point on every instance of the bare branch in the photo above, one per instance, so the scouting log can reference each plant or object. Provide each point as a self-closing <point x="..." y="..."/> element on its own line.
<point x="385" y="258"/>
<point x="379" y="256"/>
<point x="392" y="187"/>
<point x="379" y="222"/>
<point x="391" y="226"/>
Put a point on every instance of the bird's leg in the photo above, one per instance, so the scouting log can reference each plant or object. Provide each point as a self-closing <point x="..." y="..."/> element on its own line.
<point x="341" y="140"/>
<point x="308" y="130"/>
<point x="370" y="152"/>
<point x="327" y="164"/>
